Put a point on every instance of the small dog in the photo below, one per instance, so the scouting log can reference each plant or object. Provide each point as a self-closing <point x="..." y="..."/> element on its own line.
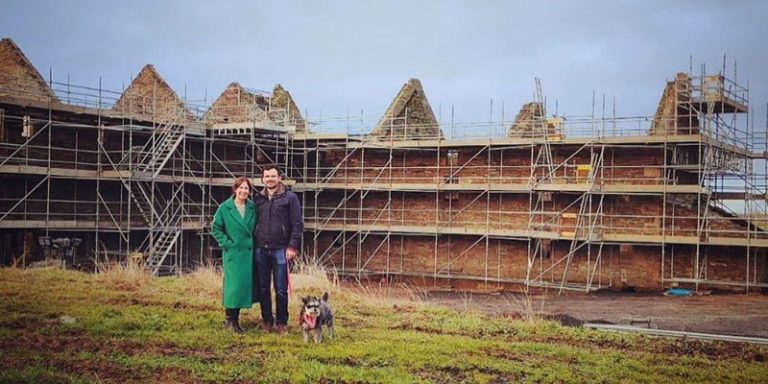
<point x="314" y="315"/>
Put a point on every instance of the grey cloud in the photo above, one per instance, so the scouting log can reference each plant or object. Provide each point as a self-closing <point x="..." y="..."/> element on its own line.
<point x="340" y="56"/>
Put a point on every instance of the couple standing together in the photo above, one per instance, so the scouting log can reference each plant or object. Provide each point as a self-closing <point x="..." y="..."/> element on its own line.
<point x="259" y="238"/>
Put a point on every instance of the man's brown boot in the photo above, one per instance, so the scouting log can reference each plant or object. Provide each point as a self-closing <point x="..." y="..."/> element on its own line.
<point x="282" y="329"/>
<point x="266" y="326"/>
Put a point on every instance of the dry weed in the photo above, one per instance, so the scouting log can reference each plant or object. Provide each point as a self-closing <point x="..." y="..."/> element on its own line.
<point x="125" y="275"/>
<point x="206" y="281"/>
<point x="522" y="305"/>
<point x="387" y="293"/>
<point x="313" y="277"/>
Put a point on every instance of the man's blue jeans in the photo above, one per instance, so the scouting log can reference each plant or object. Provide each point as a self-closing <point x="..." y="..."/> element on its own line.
<point x="271" y="263"/>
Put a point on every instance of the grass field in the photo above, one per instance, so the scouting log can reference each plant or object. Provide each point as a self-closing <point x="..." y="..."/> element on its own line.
<point x="59" y="326"/>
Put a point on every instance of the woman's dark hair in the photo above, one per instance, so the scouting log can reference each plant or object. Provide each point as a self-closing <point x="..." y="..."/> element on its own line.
<point x="239" y="181"/>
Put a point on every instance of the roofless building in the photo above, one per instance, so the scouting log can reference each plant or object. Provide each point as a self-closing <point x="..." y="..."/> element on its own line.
<point x="675" y="199"/>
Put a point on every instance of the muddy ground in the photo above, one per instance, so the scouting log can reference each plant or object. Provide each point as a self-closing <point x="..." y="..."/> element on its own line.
<point x="730" y="314"/>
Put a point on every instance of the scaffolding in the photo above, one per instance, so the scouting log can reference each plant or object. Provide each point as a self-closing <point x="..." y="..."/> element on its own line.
<point x="137" y="174"/>
<point x="684" y="188"/>
<point x="569" y="203"/>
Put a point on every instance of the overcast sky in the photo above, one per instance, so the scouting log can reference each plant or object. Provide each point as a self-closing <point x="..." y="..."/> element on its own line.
<point x="340" y="57"/>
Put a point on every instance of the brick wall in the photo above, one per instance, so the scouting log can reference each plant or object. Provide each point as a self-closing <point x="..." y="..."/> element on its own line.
<point x="462" y="258"/>
<point x="510" y="165"/>
<point x="716" y="263"/>
<point x="456" y="255"/>
<point x="237" y="105"/>
<point x="464" y="210"/>
<point x="18" y="77"/>
<point x="150" y="97"/>
<point x="623" y="214"/>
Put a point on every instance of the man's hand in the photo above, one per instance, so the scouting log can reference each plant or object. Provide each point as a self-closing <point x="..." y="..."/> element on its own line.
<point x="290" y="253"/>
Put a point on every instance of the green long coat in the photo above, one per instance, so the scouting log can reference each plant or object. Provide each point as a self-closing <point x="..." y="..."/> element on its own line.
<point x="235" y="237"/>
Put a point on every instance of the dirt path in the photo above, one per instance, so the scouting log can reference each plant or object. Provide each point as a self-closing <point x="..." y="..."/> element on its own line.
<point x="743" y="315"/>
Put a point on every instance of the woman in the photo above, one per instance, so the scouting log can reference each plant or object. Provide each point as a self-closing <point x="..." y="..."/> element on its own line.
<point x="233" y="228"/>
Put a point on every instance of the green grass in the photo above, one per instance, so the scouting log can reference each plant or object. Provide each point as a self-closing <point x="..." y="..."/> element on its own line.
<point x="59" y="326"/>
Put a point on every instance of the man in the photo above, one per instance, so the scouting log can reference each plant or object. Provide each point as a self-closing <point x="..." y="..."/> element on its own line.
<point x="278" y="240"/>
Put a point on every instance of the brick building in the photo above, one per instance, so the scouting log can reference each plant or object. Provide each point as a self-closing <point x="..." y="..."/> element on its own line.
<point x="676" y="199"/>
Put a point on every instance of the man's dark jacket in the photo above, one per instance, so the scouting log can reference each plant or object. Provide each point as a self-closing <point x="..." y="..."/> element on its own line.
<point x="280" y="219"/>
